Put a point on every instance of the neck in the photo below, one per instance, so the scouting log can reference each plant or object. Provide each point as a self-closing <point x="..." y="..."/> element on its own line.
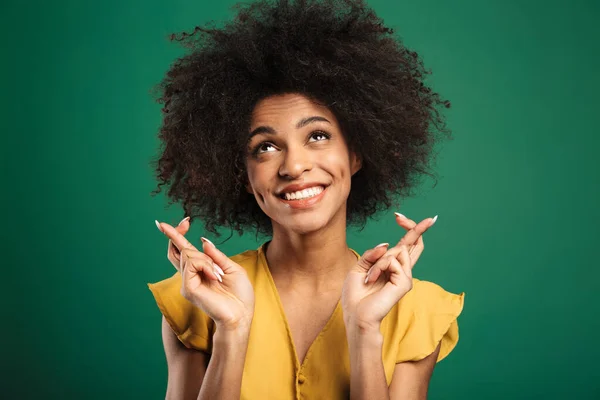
<point x="315" y="261"/>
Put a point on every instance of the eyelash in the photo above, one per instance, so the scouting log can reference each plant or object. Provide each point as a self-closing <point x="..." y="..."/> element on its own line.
<point x="256" y="149"/>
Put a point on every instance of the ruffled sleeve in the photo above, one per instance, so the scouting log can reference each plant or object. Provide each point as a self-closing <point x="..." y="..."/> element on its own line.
<point x="193" y="327"/>
<point x="433" y="320"/>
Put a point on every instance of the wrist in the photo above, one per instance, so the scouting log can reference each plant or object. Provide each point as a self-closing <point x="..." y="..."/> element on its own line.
<point x="364" y="334"/>
<point x="240" y="327"/>
<point x="233" y="340"/>
<point x="360" y="325"/>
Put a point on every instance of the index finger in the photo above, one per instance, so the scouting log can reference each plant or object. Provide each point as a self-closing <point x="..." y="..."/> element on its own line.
<point x="176" y="238"/>
<point x="413" y="234"/>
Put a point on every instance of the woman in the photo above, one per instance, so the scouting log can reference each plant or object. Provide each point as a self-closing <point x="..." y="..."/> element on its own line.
<point x="296" y="120"/>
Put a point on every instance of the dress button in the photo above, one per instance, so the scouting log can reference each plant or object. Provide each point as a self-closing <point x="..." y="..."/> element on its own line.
<point x="301" y="378"/>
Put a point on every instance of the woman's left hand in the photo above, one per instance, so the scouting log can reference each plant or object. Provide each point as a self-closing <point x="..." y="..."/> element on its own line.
<point x="382" y="277"/>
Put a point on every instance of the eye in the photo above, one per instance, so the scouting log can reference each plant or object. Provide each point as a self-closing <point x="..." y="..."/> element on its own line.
<point x="261" y="148"/>
<point x="320" y="134"/>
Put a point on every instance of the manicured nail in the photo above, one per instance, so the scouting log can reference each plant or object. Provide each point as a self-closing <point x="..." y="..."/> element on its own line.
<point x="206" y="240"/>
<point x="400" y="215"/>
<point x="433" y="222"/>
<point x="217" y="275"/>
<point x="382" y="244"/>
<point x="368" y="273"/>
<point x="219" y="269"/>
<point x="158" y="226"/>
<point x="183" y="220"/>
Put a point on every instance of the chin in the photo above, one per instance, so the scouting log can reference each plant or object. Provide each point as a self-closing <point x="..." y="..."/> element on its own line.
<point x="303" y="224"/>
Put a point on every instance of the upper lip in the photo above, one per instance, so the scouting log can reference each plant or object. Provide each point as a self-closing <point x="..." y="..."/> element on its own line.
<point x="299" y="186"/>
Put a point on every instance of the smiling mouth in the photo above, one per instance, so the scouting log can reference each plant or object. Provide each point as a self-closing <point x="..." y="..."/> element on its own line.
<point x="302" y="194"/>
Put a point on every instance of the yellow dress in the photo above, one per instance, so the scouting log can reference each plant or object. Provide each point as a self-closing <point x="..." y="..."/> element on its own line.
<point x="412" y="330"/>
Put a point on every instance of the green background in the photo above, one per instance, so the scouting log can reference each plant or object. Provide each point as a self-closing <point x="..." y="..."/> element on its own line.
<point x="516" y="198"/>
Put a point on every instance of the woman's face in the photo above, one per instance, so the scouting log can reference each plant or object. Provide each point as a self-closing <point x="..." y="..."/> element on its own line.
<point x="298" y="162"/>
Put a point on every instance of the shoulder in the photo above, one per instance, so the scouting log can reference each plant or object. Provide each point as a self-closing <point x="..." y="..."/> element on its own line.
<point x="246" y="259"/>
<point x="253" y="261"/>
<point x="423" y="319"/>
<point x="428" y="297"/>
<point x="250" y="261"/>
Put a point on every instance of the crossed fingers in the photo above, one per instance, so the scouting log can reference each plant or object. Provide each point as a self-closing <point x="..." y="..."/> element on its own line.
<point x="412" y="241"/>
<point x="394" y="265"/>
<point x="185" y="250"/>
<point x="175" y="237"/>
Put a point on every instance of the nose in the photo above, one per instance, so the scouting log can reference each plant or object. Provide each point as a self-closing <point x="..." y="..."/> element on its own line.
<point x="295" y="162"/>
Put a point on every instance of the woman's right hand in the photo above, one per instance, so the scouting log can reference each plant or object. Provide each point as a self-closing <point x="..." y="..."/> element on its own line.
<point x="227" y="298"/>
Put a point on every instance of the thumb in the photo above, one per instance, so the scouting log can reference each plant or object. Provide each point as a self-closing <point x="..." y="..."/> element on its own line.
<point x="371" y="256"/>
<point x="217" y="256"/>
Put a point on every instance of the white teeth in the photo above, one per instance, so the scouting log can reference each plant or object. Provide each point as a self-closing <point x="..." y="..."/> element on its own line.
<point x="304" y="194"/>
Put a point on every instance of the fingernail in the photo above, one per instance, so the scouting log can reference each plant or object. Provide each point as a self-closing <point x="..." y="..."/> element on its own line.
<point x="382" y="244"/>
<point x="183" y="220"/>
<point x="433" y="222"/>
<point x="368" y="273"/>
<point x="206" y="240"/>
<point x="217" y="274"/>
<point x="400" y="215"/>
<point x="219" y="269"/>
<point x="158" y="226"/>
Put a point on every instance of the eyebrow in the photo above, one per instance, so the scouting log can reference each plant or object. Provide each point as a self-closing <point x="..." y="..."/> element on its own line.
<point x="302" y="123"/>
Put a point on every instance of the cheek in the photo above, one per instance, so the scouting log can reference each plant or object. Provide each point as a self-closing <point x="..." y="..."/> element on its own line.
<point x="251" y="176"/>
<point x="338" y="166"/>
<point x="258" y="177"/>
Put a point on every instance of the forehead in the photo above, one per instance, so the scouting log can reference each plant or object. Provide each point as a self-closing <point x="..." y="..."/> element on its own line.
<point x="287" y="109"/>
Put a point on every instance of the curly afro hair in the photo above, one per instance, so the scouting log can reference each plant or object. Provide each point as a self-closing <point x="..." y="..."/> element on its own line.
<point x="335" y="52"/>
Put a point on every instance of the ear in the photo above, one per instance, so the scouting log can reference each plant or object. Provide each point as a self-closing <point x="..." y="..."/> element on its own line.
<point x="355" y="162"/>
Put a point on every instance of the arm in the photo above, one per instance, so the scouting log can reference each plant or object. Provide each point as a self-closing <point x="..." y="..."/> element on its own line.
<point x="367" y="376"/>
<point x="376" y="284"/>
<point x="186" y="367"/>
<point x="220" y="287"/>
<point x="223" y="378"/>
<point x="195" y="375"/>
<point x="410" y="380"/>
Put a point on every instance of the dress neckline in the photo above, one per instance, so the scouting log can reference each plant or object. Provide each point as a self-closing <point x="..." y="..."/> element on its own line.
<point x="265" y="265"/>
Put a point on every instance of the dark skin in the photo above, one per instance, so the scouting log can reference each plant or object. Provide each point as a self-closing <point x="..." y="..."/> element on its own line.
<point x="308" y="253"/>
<point x="339" y="53"/>
<point x="187" y="367"/>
